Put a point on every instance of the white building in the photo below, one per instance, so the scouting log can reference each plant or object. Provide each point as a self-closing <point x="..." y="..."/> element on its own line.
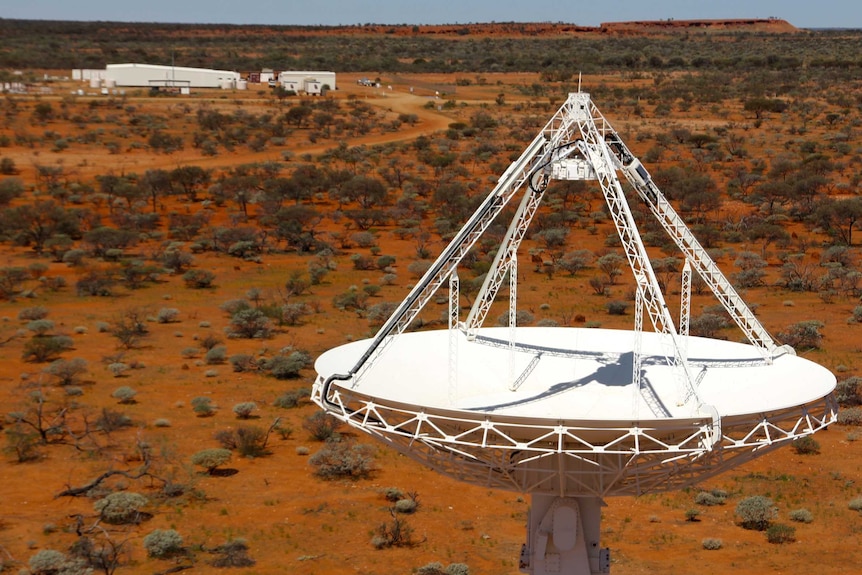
<point x="153" y="76"/>
<point x="312" y="82"/>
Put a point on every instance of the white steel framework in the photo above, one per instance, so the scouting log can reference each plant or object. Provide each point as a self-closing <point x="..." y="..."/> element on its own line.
<point x="669" y="438"/>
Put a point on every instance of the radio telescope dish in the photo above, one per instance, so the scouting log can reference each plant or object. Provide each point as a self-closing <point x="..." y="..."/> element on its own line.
<point x="573" y="415"/>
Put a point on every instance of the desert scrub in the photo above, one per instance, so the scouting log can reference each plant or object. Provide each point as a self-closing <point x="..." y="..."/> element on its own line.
<point x="855" y="504"/>
<point x="215" y="355"/>
<point x="343" y="459"/>
<point x="708" y="499"/>
<point x="756" y="512"/>
<point x="233" y="553"/>
<point x="711" y="544"/>
<point x="33" y="313"/>
<point x="168" y="315"/>
<point x="202" y="406"/>
<point x="406" y="506"/>
<point x="125" y="395"/>
<point x="248" y="440"/>
<point x="322" y="426"/>
<point x="211" y="459"/>
<point x="163" y="543"/>
<point x="850" y="416"/>
<point x="162" y="422"/>
<point x="806" y="445"/>
<point x="292" y="398"/>
<point x="244" y="410"/>
<point x="122" y="507"/>
<point x="780" y="533"/>
<point x="801" y="516"/>
<point x="118" y="369"/>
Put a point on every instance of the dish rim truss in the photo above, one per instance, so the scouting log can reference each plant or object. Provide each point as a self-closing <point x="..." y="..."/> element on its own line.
<point x="615" y="457"/>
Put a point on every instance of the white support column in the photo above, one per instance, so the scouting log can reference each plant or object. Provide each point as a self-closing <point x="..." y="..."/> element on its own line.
<point x="685" y="307"/>
<point x="637" y="358"/>
<point x="513" y="318"/>
<point x="454" y="308"/>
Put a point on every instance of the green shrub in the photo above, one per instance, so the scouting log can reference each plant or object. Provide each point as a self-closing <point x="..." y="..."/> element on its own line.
<point x="168" y="315"/>
<point x="292" y="398"/>
<point x="234" y="553"/>
<point x="801" y="516"/>
<point x="287" y="366"/>
<point x="40" y="349"/>
<point x="211" y="458"/>
<point x="756" y="512"/>
<point x="343" y="459"/>
<point x="708" y="499"/>
<point x="780" y="533"/>
<point x="322" y="426"/>
<point x="244" y="410"/>
<point x="215" y="355"/>
<point x="806" y="445"/>
<point x="847" y="392"/>
<point x="617" y="307"/>
<point x="51" y="562"/>
<point x="407" y="505"/>
<point x="121" y="507"/>
<point x="247" y="440"/>
<point x="162" y="543"/>
<point x="803" y="335"/>
<point x="712" y="544"/>
<point x="692" y="514"/>
<point x="202" y="406"/>
<point x="33" y="313"/>
<point x="850" y="416"/>
<point x="125" y="394"/>
<point x="67" y="371"/>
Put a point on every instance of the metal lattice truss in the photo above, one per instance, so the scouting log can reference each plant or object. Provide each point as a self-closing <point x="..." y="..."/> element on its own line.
<point x="650" y="452"/>
<point x="577" y="143"/>
<point x="608" y="458"/>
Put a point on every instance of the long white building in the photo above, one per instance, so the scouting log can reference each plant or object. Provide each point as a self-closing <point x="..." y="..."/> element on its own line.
<point x="154" y="76"/>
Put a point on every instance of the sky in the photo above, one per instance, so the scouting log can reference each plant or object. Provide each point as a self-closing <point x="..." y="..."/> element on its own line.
<point x="803" y="14"/>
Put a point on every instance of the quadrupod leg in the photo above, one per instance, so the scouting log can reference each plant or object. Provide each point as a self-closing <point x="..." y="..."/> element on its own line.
<point x="563" y="537"/>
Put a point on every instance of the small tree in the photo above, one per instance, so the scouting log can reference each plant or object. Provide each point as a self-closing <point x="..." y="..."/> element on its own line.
<point x="211" y="458"/>
<point x="67" y="371"/>
<point x="804" y="335"/>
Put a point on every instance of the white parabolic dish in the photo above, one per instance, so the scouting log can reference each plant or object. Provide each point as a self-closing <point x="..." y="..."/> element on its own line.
<point x="448" y="404"/>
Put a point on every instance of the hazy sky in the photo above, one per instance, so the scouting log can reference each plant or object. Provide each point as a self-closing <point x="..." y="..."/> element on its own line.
<point x="804" y="14"/>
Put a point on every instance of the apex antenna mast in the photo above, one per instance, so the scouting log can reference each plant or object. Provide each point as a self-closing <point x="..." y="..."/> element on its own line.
<point x="574" y="415"/>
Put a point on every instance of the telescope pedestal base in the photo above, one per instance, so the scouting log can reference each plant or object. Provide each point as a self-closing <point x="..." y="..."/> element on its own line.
<point x="563" y="537"/>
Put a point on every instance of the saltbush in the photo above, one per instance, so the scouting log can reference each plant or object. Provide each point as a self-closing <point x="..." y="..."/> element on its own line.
<point x="211" y="458"/>
<point x="244" y="410"/>
<point x="343" y="459"/>
<point x="806" y="445"/>
<point x="780" y="533"/>
<point x="121" y="507"/>
<point x="801" y="516"/>
<point x="756" y="512"/>
<point x="712" y="544"/>
<point x="162" y="543"/>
